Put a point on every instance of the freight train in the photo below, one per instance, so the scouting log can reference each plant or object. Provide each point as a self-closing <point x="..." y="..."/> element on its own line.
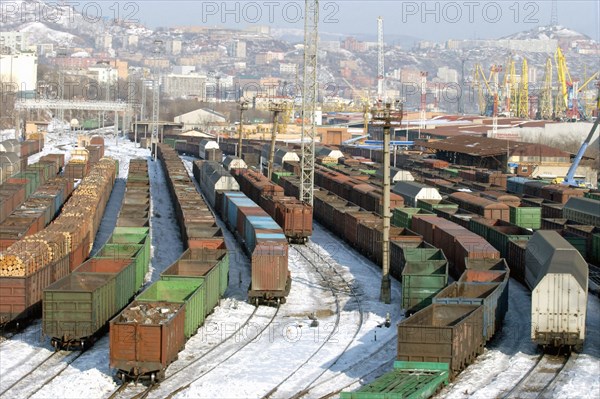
<point x="36" y="261"/>
<point x="261" y="237"/>
<point x="292" y="215"/>
<point x="149" y="333"/>
<point x="108" y="281"/>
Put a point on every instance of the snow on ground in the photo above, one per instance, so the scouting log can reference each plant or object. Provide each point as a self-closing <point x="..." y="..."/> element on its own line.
<point x="287" y="343"/>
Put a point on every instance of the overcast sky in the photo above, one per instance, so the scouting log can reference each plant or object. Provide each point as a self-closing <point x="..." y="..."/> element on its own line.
<point x="431" y="20"/>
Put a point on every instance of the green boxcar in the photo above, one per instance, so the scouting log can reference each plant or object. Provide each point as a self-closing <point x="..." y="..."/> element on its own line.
<point x="169" y="142"/>
<point x="596" y="248"/>
<point x="275" y="176"/>
<point x="451" y="171"/>
<point x="33" y="180"/>
<point x="224" y="274"/>
<point x="579" y="243"/>
<point x="368" y="171"/>
<point x="132" y="235"/>
<point x="135" y="252"/>
<point x="529" y="217"/>
<point x="408" y="380"/>
<point x="431" y="205"/>
<point x="425" y="274"/>
<point x="210" y="264"/>
<point x="592" y="195"/>
<point x="180" y="289"/>
<point x="402" y="217"/>
<point x="80" y="304"/>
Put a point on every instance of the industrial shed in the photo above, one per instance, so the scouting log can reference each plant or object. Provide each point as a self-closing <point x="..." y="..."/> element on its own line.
<point x="412" y="192"/>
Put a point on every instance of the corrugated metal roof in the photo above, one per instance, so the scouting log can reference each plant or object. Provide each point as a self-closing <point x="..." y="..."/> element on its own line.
<point x="409" y="188"/>
<point x="484" y="146"/>
<point x="548" y="252"/>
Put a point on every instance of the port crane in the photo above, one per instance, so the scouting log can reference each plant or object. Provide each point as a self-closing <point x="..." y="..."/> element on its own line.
<point x="570" y="178"/>
<point x="568" y="95"/>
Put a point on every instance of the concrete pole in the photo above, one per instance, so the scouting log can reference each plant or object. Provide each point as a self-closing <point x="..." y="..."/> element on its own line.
<point x="243" y="107"/>
<point x="385" y="278"/>
<point x="272" y="149"/>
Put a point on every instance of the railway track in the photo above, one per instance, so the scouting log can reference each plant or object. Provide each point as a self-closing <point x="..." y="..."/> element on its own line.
<point x="315" y="258"/>
<point x="213" y="364"/>
<point x="535" y="383"/>
<point x="37" y="378"/>
<point x="121" y="391"/>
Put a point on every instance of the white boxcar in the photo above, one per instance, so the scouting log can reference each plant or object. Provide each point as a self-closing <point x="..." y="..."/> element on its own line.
<point x="412" y="192"/>
<point x="213" y="178"/>
<point x="206" y="145"/>
<point x="557" y="275"/>
<point x="232" y="162"/>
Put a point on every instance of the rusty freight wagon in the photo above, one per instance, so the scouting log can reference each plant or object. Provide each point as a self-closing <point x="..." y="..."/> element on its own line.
<point x="482" y="206"/>
<point x="31" y="264"/>
<point x="443" y="334"/>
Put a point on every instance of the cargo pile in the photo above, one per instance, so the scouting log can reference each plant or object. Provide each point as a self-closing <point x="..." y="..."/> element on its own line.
<point x="148" y="313"/>
<point x="86" y="205"/>
<point x="30" y="265"/>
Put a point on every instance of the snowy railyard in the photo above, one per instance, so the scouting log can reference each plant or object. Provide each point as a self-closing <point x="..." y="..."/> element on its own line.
<point x="329" y="336"/>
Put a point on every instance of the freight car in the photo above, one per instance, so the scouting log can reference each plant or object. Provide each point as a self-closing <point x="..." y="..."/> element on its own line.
<point x="77" y="308"/>
<point x="33" y="263"/>
<point x="147" y="335"/>
<point x="482" y="206"/>
<point x="557" y="275"/>
<point x="293" y="216"/>
<point x="583" y="211"/>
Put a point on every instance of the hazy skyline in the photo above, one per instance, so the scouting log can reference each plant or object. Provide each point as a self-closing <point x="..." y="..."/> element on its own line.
<point x="430" y="20"/>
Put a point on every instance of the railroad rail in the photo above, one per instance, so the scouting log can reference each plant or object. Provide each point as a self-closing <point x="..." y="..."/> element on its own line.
<point x="539" y="377"/>
<point x="122" y="387"/>
<point x="314" y="258"/>
<point x="219" y="361"/>
<point x="38" y="373"/>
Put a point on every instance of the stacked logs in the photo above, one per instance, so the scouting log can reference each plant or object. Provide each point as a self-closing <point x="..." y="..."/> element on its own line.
<point x="79" y="219"/>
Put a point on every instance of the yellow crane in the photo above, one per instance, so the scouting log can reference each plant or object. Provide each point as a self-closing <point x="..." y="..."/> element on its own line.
<point x="478" y="80"/>
<point x="546" y="94"/>
<point x="524" y="91"/>
<point x="509" y="90"/>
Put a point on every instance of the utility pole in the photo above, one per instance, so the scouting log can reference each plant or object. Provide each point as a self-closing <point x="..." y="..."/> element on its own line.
<point x="156" y="100"/>
<point x="309" y="101"/>
<point x="380" y="60"/>
<point x="243" y="107"/>
<point x="386" y="116"/>
<point x="276" y="108"/>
